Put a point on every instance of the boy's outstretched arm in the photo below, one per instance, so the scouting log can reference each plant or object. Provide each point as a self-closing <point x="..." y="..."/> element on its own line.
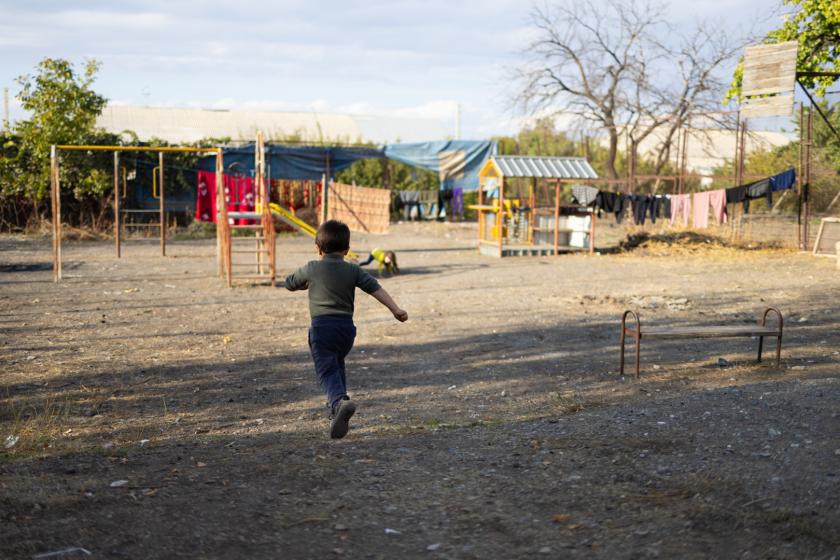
<point x="298" y="280"/>
<point x="385" y="299"/>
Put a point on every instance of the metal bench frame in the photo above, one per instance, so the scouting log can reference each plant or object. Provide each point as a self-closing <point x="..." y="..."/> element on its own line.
<point x="760" y="330"/>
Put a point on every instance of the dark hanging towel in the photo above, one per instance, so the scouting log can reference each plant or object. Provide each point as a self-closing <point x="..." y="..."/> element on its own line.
<point x="641" y="206"/>
<point x="784" y="180"/>
<point x="624" y="202"/>
<point x="758" y="189"/>
<point x="736" y="194"/>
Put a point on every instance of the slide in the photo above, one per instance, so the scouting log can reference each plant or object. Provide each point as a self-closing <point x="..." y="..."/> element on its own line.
<point x="297" y="223"/>
<point x="291" y="219"/>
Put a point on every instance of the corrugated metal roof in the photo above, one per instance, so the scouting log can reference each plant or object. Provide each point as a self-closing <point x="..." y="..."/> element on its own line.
<point x="545" y="167"/>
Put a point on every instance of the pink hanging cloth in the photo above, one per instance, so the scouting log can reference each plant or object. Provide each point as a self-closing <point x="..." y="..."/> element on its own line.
<point x="701" y="210"/>
<point x="680" y="207"/>
<point x="717" y="200"/>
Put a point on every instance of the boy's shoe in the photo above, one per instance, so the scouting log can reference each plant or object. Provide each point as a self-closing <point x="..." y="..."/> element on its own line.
<point x="341" y="414"/>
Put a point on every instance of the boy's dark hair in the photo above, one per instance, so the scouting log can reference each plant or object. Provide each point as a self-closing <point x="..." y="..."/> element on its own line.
<point x="333" y="237"/>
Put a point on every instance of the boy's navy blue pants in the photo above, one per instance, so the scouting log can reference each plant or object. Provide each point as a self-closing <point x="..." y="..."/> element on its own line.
<point x="330" y="340"/>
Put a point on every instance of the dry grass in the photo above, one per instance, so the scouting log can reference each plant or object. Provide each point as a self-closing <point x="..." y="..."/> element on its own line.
<point x="37" y="425"/>
<point x="691" y="243"/>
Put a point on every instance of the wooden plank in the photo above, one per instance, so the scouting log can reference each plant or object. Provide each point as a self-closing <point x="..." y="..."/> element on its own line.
<point x="827" y="236"/>
<point x="769" y="68"/>
<point x="778" y="105"/>
<point x="721" y="331"/>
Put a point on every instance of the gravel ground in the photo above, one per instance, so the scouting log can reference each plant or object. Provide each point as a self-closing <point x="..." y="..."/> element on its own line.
<point x="493" y="424"/>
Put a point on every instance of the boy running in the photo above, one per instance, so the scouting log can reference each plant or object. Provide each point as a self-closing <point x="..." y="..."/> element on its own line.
<point x="332" y="283"/>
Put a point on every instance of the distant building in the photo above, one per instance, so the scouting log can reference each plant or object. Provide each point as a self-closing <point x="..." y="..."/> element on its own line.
<point x="178" y="125"/>
<point x="708" y="148"/>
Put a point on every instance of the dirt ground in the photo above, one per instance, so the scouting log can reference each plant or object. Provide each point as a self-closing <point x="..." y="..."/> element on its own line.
<point x="146" y="411"/>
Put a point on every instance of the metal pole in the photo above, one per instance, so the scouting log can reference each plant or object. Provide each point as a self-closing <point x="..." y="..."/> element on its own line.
<point x="737" y="147"/>
<point x="678" y="170"/>
<point x="54" y="212"/>
<point x="799" y="189"/>
<point x="684" y="164"/>
<point x="500" y="215"/>
<point x="117" y="202"/>
<point x="220" y="168"/>
<point x="741" y="165"/>
<point x="556" y="218"/>
<point x="532" y="201"/>
<point x="162" y="208"/>
<point x="806" y="235"/>
<point x="326" y="187"/>
<point x="742" y="158"/>
<point x="480" y="213"/>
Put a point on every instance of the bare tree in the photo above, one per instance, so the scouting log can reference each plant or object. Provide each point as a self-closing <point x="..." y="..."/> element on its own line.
<point x="621" y="67"/>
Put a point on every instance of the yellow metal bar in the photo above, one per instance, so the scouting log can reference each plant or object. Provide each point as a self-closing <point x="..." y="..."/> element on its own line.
<point x="141" y="149"/>
<point x="154" y="181"/>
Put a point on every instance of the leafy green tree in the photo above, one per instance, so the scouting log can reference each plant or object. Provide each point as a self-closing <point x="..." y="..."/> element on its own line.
<point x="815" y="24"/>
<point x="63" y="109"/>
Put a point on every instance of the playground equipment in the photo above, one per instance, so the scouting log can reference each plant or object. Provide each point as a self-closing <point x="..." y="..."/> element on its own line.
<point x="55" y="192"/>
<point x="264" y="236"/>
<point x="526" y="225"/>
<point x="298" y="224"/>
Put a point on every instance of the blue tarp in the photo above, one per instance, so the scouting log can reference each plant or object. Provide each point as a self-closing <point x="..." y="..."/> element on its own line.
<point x="291" y="162"/>
<point x="457" y="162"/>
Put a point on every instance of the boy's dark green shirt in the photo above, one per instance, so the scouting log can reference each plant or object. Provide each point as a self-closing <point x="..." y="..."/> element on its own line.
<point x="332" y="284"/>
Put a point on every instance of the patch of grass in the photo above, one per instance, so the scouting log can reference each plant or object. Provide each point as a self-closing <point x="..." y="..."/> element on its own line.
<point x="36" y="426"/>
<point x="197" y="230"/>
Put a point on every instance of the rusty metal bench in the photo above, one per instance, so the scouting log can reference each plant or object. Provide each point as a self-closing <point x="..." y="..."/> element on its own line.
<point x="759" y="330"/>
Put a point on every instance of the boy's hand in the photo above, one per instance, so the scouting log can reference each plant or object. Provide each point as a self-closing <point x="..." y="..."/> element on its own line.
<point x="401" y="315"/>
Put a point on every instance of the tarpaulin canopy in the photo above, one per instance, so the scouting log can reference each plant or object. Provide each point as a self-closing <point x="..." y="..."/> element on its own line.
<point x="456" y="162"/>
<point x="292" y="162"/>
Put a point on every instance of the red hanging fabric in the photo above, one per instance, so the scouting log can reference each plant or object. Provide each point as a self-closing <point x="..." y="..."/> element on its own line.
<point x="239" y="194"/>
<point x="205" y="202"/>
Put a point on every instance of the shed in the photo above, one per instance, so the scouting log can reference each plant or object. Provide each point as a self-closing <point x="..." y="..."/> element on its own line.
<point x="531" y="224"/>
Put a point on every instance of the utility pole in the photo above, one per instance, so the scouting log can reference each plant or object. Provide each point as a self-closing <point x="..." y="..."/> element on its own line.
<point x="457" y="121"/>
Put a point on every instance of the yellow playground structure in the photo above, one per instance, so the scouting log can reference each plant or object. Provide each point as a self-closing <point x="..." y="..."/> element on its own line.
<point x="517" y="215"/>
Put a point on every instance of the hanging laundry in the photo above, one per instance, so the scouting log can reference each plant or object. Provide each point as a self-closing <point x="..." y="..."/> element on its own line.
<point x="624" y="202"/>
<point x="458" y="202"/>
<point x="429" y="208"/>
<point x="701" y="210"/>
<point x="641" y="207"/>
<point x="736" y="194"/>
<point x="607" y="201"/>
<point x="717" y="200"/>
<point x="665" y="204"/>
<point x="584" y="194"/>
<point x="205" y="201"/>
<point x="240" y="196"/>
<point x="680" y="208"/>
<point x="659" y="206"/>
<point x="758" y="189"/>
<point x="411" y="204"/>
<point x="784" y="180"/>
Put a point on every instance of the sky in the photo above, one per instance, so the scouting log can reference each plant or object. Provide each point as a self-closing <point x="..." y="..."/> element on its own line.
<point x="406" y="58"/>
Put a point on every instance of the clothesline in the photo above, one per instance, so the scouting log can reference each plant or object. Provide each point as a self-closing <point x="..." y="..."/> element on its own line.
<point x="691" y="209"/>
